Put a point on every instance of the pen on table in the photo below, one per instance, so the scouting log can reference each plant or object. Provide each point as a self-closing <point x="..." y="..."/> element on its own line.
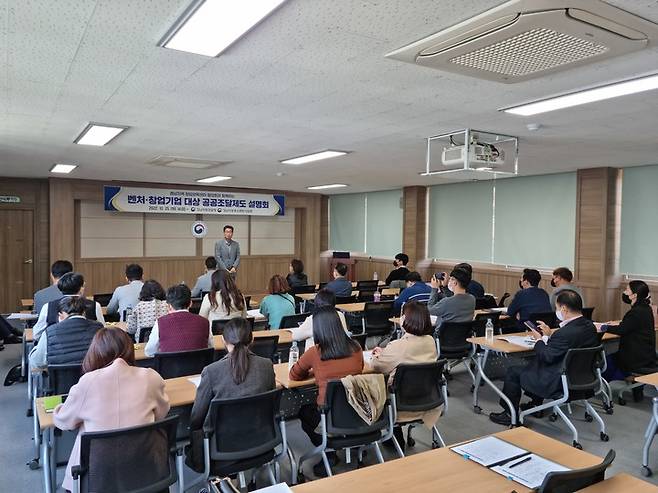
<point x="521" y="461"/>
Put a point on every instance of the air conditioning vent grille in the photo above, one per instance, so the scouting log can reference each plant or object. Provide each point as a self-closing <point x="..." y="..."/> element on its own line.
<point x="529" y="52"/>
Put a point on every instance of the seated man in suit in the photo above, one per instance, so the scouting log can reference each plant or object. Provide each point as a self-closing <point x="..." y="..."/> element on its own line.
<point x="179" y="330"/>
<point x="67" y="341"/>
<point x="340" y="286"/>
<point x="416" y="290"/>
<point x="127" y="296"/>
<point x="52" y="292"/>
<point x="203" y="282"/>
<point x="70" y="284"/>
<point x="529" y="299"/>
<point x="541" y="379"/>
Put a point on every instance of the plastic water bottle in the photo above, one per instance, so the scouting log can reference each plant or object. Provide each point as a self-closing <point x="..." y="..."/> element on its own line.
<point x="293" y="355"/>
<point x="375" y="276"/>
<point x="489" y="331"/>
<point x="377" y="296"/>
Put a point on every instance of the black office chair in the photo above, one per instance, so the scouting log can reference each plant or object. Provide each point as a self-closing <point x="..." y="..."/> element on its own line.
<point x="361" y="339"/>
<point x="375" y="320"/>
<point x="503" y="298"/>
<point x="342" y="428"/>
<point x="416" y="388"/>
<point x="548" y="318"/>
<point x="243" y="434"/>
<point x="365" y="296"/>
<point x="143" y="334"/>
<point x="203" y="294"/>
<point x="217" y="326"/>
<point x="182" y="363"/>
<point x="103" y="299"/>
<point x="140" y="459"/>
<point x="342" y="300"/>
<point x="588" y="312"/>
<point x="454" y="347"/>
<point x="322" y="285"/>
<point x="581" y="380"/>
<point x="196" y="306"/>
<point x="247" y="302"/>
<point x="62" y="377"/>
<point x="480" y="323"/>
<point x="293" y="321"/>
<point x="576" y="479"/>
<point x="485" y="303"/>
<point x="304" y="289"/>
<point x="369" y="285"/>
<point x="266" y="347"/>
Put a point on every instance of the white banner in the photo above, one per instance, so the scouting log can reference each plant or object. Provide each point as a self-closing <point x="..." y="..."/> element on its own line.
<point x="161" y="200"/>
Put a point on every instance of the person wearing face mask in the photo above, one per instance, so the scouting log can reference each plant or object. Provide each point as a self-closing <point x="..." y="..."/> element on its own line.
<point x="460" y="306"/>
<point x="561" y="280"/>
<point x="400" y="272"/>
<point x="529" y="299"/>
<point x="637" y="334"/>
<point x="541" y="378"/>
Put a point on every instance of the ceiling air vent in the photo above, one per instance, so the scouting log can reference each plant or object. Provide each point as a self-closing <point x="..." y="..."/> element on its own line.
<point x="185" y="162"/>
<point x="525" y="39"/>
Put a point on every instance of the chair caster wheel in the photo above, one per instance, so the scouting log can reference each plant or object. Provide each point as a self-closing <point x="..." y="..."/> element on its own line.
<point x="411" y="442"/>
<point x="33" y="464"/>
<point x="477" y="409"/>
<point x="609" y="410"/>
<point x="621" y="401"/>
<point x="552" y="418"/>
<point x="588" y="417"/>
<point x="435" y="445"/>
<point x="577" y="445"/>
<point x="646" y="472"/>
<point x="604" y="437"/>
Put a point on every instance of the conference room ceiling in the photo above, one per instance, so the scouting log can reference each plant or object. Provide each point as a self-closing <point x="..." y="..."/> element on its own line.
<point x="311" y="77"/>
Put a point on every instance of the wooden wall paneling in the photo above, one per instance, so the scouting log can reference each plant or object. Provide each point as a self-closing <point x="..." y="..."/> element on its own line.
<point x="324" y="223"/>
<point x="414" y="223"/>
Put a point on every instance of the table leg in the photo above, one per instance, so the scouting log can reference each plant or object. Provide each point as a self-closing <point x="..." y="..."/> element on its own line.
<point x="53" y="460"/>
<point x="45" y="452"/>
<point x="481" y="361"/>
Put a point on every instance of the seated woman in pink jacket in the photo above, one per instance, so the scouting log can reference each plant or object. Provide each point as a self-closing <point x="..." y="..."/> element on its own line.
<point x="112" y="393"/>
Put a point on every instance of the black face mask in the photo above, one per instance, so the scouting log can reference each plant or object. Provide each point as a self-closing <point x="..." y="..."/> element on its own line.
<point x="553" y="283"/>
<point x="625" y="298"/>
<point x="395" y="264"/>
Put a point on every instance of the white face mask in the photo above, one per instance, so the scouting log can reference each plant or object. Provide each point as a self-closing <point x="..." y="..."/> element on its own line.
<point x="558" y="314"/>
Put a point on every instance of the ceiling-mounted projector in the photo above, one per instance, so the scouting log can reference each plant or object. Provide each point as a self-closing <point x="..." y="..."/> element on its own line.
<point x="477" y="155"/>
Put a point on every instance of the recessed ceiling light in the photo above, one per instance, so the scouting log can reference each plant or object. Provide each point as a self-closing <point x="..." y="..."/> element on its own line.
<point x="208" y="27"/>
<point x="600" y="93"/>
<point x="63" y="168"/>
<point x="323" y="187"/>
<point x="213" y="179"/>
<point x="98" y="134"/>
<point x="316" y="156"/>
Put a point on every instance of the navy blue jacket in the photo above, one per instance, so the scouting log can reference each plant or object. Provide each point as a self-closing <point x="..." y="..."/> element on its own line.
<point x="528" y="301"/>
<point x="340" y="286"/>
<point x="419" y="288"/>
<point x="475" y="288"/>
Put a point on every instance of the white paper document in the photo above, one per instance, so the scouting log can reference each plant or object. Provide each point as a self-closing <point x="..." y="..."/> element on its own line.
<point x="530" y="470"/>
<point x="22" y="316"/>
<point x="277" y="488"/>
<point x="489" y="451"/>
<point x="255" y="313"/>
<point x="502" y="309"/>
<point x="523" y="341"/>
<point x="195" y="380"/>
<point x="433" y="319"/>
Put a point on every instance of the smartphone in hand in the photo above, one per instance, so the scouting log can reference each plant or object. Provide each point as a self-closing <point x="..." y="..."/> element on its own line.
<point x="534" y="327"/>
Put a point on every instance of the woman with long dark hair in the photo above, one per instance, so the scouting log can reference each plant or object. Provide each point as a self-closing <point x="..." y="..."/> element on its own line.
<point x="224" y="300"/>
<point x="112" y="393"/>
<point x="637" y="343"/>
<point x="335" y="355"/>
<point x="238" y="374"/>
<point x="305" y="331"/>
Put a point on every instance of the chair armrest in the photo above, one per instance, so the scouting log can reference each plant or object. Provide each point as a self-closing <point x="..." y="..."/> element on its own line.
<point x="77" y="471"/>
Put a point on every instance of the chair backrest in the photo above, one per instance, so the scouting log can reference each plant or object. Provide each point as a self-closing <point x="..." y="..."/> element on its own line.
<point x="452" y="339"/>
<point x="103" y="299"/>
<point x="548" y="318"/>
<point x="139" y="459"/>
<point x="480" y="322"/>
<point x="247" y="302"/>
<point x="144" y="334"/>
<point x="580" y="367"/>
<point x="376" y="317"/>
<point x="342" y="419"/>
<point x="417" y="387"/>
<point x="341" y="300"/>
<point x="369" y="285"/>
<point x="293" y="321"/>
<point x="204" y="293"/>
<point x="62" y="377"/>
<point x="503" y="298"/>
<point x="588" y="313"/>
<point x="576" y="479"/>
<point x="400" y="284"/>
<point x="196" y="306"/>
<point x="217" y="326"/>
<point x="265" y="346"/>
<point x="322" y="285"/>
<point x="366" y="295"/>
<point x="244" y="427"/>
<point x="361" y="339"/>
<point x="182" y="363"/>
<point x="485" y="302"/>
<point x="307" y="288"/>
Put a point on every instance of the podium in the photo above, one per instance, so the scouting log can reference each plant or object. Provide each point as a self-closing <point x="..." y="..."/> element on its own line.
<point x="350" y="267"/>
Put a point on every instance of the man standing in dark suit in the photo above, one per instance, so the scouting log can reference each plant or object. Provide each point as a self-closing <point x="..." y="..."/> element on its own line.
<point x="541" y="379"/>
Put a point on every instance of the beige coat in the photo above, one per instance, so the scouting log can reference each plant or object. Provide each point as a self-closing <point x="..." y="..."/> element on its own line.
<point x="408" y="349"/>
<point x="117" y="396"/>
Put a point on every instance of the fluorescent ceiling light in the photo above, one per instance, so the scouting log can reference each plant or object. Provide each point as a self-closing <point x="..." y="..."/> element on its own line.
<point x="600" y="93"/>
<point x="63" y="168"/>
<point x="317" y="156"/>
<point x="213" y="179"/>
<point x="209" y="27"/>
<point x="98" y="134"/>
<point x="323" y="187"/>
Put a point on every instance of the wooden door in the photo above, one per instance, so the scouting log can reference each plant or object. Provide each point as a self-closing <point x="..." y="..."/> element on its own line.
<point x="16" y="258"/>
